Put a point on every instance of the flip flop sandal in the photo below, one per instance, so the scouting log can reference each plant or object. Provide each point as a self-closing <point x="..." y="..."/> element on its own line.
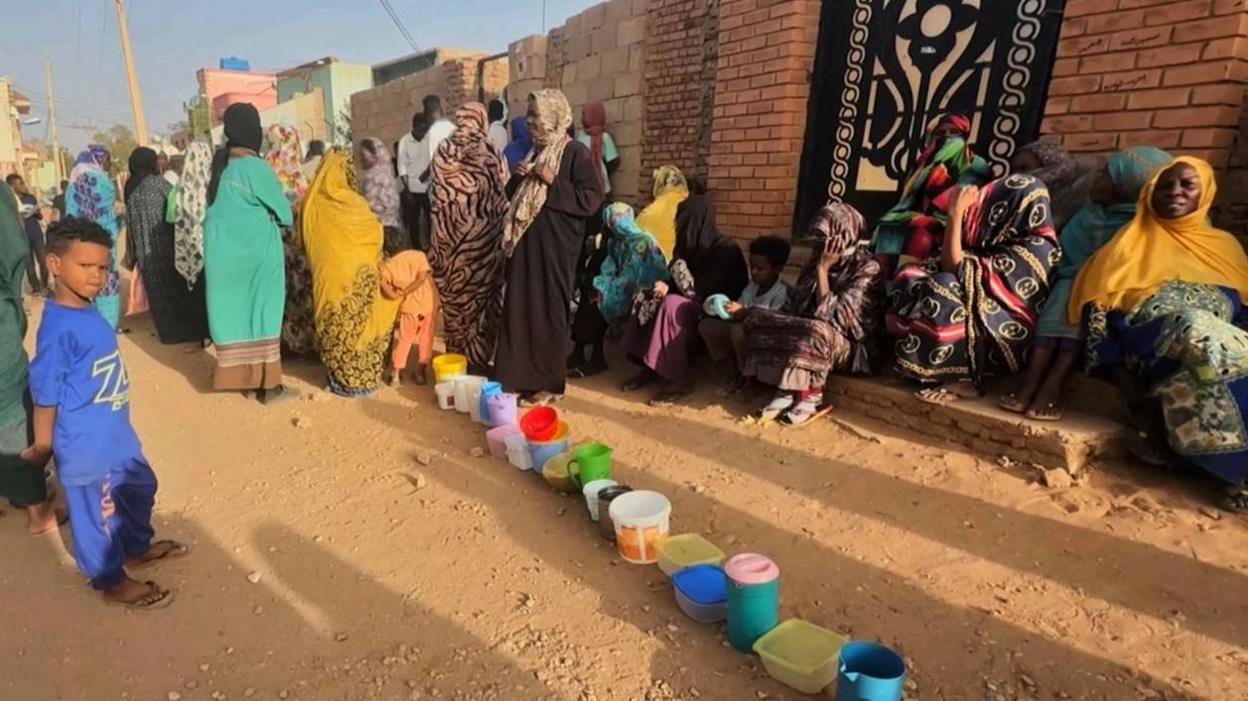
<point x="805" y="412"/>
<point x="633" y="384"/>
<point x="1054" y="409"/>
<point x="1145" y="450"/>
<point x="777" y="406"/>
<point x="172" y="551"/>
<point x="1235" y="500"/>
<point x="1012" y="403"/>
<point x="940" y="396"/>
<point x="145" y="602"/>
<point x="669" y="398"/>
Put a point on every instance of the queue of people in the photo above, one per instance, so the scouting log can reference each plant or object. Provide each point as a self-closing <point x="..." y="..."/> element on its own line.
<point x="968" y="278"/>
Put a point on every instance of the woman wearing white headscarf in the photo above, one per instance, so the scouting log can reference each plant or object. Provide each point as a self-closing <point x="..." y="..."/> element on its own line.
<point x="555" y="189"/>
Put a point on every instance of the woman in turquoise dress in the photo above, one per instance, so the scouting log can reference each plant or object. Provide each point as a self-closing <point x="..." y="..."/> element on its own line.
<point x="1056" y="349"/>
<point x="243" y="260"/>
<point x="93" y="196"/>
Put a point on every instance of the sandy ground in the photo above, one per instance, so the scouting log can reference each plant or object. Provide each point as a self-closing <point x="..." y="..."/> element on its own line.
<point x="380" y="577"/>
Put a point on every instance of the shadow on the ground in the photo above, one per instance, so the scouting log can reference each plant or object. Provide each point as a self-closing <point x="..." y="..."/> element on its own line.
<point x="819" y="583"/>
<point x="312" y="625"/>
<point x="1121" y="571"/>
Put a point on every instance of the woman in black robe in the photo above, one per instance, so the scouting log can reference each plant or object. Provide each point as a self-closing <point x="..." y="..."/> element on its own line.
<point x="179" y="312"/>
<point x="553" y="191"/>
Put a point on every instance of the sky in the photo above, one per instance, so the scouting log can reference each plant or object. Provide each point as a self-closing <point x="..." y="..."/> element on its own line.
<point x="172" y="39"/>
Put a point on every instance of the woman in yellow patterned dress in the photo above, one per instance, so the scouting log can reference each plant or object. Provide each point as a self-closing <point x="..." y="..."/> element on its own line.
<point x="343" y="242"/>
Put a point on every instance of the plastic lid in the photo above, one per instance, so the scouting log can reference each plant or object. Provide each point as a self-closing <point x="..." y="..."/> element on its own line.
<point x="751" y="568"/>
<point x="491" y="387"/>
<point x="704" y="585"/>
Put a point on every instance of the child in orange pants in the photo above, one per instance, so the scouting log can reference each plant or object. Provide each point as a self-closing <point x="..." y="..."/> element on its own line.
<point x="407" y="276"/>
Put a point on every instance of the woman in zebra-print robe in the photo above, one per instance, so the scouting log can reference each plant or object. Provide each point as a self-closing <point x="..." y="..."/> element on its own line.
<point x="468" y="199"/>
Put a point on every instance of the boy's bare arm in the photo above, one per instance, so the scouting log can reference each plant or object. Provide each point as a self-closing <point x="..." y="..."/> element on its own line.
<point x="40" y="451"/>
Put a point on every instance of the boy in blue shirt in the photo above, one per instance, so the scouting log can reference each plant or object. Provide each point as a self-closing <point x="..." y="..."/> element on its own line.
<point x="82" y="416"/>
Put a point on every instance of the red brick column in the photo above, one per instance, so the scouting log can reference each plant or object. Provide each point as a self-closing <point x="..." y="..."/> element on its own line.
<point x="766" y="51"/>
<point x="681" y="40"/>
<point x="1168" y="73"/>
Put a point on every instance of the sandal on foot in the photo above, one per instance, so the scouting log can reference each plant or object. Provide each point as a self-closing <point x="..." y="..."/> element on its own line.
<point x="805" y="411"/>
<point x="583" y="371"/>
<point x="151" y="600"/>
<point x="779" y="404"/>
<point x="1146" y="450"/>
<point x="668" y="398"/>
<point x="943" y="396"/>
<point x="1012" y="403"/>
<point x="1051" y="411"/>
<point x="636" y="382"/>
<point x="168" y="550"/>
<point x="1235" y="500"/>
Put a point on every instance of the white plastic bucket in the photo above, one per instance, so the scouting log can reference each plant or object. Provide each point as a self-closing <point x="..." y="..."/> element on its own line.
<point x="590" y="491"/>
<point x="641" y="518"/>
<point x="467" y="392"/>
<point x="445" y="392"/>
<point x="496" y="439"/>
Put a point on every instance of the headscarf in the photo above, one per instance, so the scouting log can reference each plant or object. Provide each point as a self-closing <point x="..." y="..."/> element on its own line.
<point x="285" y="158"/>
<point x="379" y="185"/>
<point x="188" y="227"/>
<point x="715" y="261"/>
<point x="521" y="143"/>
<point x="942" y="165"/>
<point x="143" y="162"/>
<point x="837" y="228"/>
<point x="633" y="262"/>
<point x="242" y="130"/>
<point x="594" y="121"/>
<point x="90" y="158"/>
<point x="343" y="241"/>
<point x="659" y="218"/>
<point x="1068" y="178"/>
<point x="550" y="138"/>
<point x="1151" y="251"/>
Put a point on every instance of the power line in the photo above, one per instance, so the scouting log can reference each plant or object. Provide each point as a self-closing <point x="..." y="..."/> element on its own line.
<point x="394" y="17"/>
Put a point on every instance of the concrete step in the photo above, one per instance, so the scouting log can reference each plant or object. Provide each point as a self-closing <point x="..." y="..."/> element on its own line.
<point x="1080" y="438"/>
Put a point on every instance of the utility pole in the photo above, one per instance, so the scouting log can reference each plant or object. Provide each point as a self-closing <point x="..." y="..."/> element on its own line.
<point x="58" y="166"/>
<point x="140" y="124"/>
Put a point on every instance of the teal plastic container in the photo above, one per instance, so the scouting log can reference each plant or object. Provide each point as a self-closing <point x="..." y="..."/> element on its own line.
<point x="753" y="598"/>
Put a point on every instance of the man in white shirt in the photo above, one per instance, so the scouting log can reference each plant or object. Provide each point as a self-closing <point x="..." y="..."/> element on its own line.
<point x="415" y="165"/>
<point x="498" y="124"/>
<point x="410" y="162"/>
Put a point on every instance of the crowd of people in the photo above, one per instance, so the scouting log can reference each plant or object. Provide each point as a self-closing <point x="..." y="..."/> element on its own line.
<point x="507" y="235"/>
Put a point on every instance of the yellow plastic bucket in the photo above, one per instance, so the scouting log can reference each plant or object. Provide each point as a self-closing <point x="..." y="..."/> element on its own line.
<point x="449" y="366"/>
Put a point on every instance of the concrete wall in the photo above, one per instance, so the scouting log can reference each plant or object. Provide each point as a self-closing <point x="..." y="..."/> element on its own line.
<point x="305" y="112"/>
<point x="337" y="80"/>
<point x="10" y="131"/>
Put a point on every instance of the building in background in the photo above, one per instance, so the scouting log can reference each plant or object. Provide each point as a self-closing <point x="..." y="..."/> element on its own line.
<point x="220" y="87"/>
<point x="13" y="106"/>
<point x="396" y="69"/>
<point x="337" y="81"/>
<point x="304" y="111"/>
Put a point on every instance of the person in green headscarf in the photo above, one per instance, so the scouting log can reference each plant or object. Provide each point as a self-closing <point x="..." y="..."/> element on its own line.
<point x="21" y="484"/>
<point x="1114" y="195"/>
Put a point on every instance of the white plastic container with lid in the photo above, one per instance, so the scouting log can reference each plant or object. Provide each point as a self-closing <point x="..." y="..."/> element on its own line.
<point x="518" y="453"/>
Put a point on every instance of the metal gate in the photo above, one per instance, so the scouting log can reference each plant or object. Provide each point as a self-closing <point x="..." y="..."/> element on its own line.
<point x="884" y="68"/>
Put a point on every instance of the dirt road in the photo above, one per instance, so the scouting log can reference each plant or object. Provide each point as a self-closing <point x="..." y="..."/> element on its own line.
<point x="379" y="577"/>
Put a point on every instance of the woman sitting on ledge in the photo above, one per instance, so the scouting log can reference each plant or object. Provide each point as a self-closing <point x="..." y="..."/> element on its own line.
<point x="1057" y="347"/>
<point x="912" y="230"/>
<point x="829" y="322"/>
<point x="969" y="314"/>
<point x="1162" y="309"/>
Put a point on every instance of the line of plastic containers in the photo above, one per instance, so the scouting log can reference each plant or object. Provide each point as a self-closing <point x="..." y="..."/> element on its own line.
<point x="742" y="591"/>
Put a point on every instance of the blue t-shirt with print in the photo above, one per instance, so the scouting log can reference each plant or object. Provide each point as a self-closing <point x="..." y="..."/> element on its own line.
<point x="78" y="369"/>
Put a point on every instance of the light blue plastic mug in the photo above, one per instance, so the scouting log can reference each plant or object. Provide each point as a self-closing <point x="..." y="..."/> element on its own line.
<point x="870" y="672"/>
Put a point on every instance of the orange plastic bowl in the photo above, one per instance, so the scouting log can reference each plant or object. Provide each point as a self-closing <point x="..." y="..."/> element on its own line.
<point x="540" y="424"/>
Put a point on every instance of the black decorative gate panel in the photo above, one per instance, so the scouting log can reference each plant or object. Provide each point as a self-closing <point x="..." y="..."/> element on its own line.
<point x="884" y="68"/>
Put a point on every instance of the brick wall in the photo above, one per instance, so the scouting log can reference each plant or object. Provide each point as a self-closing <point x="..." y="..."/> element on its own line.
<point x="682" y="40"/>
<point x="596" y="56"/>
<point x="1167" y="73"/>
<point x="385" y="112"/>
<point x="765" y="54"/>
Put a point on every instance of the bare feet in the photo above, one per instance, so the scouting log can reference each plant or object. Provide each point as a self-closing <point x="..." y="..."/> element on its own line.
<point x="159" y="550"/>
<point x="421" y="375"/>
<point x="1015" y="402"/>
<point x="396" y="379"/>
<point x="42" y="519"/>
<point x="143" y="596"/>
<point x="641" y="379"/>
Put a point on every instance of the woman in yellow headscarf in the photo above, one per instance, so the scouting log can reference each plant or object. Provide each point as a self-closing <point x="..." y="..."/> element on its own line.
<point x="343" y="241"/>
<point x="670" y="189"/>
<point x="1162" y="309"/>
